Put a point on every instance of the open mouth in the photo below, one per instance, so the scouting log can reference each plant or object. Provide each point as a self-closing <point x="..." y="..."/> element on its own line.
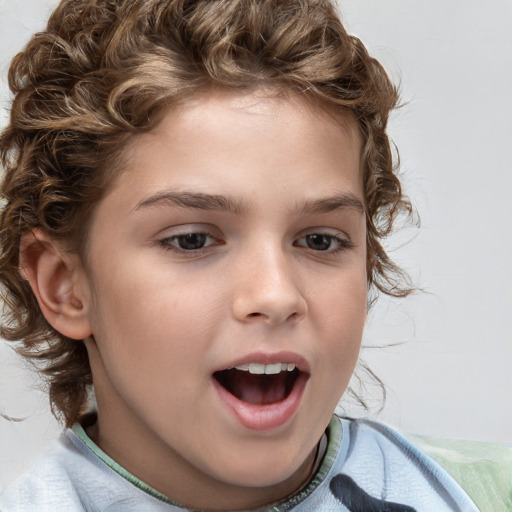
<point x="260" y="384"/>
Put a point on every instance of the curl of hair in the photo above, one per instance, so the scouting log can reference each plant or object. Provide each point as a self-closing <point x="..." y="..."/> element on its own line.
<point x="106" y="70"/>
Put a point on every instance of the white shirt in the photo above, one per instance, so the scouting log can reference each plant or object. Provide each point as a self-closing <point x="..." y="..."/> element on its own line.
<point x="367" y="467"/>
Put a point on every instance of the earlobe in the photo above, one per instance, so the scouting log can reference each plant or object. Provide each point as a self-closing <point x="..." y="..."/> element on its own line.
<point x="58" y="282"/>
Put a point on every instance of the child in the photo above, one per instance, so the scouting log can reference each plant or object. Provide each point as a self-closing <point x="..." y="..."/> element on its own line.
<point x="195" y="195"/>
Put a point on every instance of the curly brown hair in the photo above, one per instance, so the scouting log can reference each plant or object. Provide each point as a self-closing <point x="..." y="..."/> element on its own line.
<point x="106" y="70"/>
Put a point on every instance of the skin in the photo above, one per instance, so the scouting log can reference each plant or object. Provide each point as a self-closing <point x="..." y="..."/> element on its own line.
<point x="160" y="320"/>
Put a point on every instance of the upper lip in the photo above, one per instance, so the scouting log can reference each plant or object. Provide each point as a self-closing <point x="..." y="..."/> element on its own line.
<point x="268" y="358"/>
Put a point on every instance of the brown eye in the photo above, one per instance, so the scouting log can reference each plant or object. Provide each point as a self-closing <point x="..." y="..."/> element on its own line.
<point x="191" y="241"/>
<point x="322" y="242"/>
<point x="319" y="242"/>
<point x="188" y="242"/>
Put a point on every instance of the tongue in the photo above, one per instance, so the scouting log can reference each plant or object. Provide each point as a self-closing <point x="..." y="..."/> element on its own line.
<point x="257" y="389"/>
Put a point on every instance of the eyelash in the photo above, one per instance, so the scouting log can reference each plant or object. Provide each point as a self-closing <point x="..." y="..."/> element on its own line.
<point x="342" y="244"/>
<point x="167" y="243"/>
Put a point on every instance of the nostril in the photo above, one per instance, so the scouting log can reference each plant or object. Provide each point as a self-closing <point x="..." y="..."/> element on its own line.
<point x="275" y="318"/>
<point x="267" y="307"/>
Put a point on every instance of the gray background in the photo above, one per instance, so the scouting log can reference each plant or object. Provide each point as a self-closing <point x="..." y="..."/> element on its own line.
<point x="449" y="371"/>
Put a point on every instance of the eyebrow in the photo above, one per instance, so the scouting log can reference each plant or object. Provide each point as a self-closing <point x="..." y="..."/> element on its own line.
<point x="339" y="201"/>
<point x="197" y="200"/>
<point x="217" y="202"/>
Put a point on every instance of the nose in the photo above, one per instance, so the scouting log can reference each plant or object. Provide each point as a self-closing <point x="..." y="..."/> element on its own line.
<point x="267" y="289"/>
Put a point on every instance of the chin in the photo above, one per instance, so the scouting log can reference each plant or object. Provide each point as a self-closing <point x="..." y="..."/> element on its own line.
<point x="258" y="470"/>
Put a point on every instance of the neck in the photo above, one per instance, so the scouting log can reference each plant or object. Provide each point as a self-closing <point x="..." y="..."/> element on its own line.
<point x="181" y="487"/>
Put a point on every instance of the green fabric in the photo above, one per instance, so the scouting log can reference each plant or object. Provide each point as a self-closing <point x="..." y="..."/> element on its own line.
<point x="483" y="470"/>
<point x="80" y="432"/>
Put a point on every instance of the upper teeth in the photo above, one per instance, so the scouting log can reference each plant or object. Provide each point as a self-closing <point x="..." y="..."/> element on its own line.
<point x="267" y="369"/>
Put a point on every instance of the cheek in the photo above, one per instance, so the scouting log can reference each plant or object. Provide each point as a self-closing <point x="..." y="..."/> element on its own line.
<point x="341" y="314"/>
<point x="341" y="300"/>
<point x="151" y="327"/>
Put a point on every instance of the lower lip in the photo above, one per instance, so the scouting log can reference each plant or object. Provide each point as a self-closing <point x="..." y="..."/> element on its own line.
<point x="264" y="417"/>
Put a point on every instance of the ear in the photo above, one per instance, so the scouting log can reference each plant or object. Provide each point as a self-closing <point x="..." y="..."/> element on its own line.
<point x="59" y="283"/>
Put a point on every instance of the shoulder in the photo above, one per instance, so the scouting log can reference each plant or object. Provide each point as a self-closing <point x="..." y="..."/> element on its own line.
<point x="470" y="475"/>
<point x="484" y="470"/>
<point x="374" y="467"/>
<point x="72" y="478"/>
<point x="48" y="483"/>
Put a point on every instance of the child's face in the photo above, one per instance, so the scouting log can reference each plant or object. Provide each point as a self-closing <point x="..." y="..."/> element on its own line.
<point x="236" y="235"/>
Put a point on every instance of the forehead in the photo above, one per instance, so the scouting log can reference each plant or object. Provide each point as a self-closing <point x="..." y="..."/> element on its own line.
<point x="227" y="138"/>
<point x="261" y="106"/>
